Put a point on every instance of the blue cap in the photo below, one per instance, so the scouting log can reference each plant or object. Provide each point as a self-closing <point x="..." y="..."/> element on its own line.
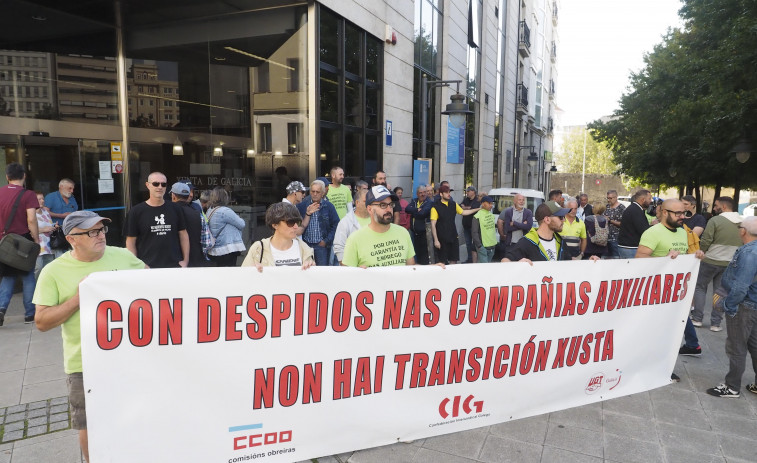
<point x="324" y="180"/>
<point x="487" y="199"/>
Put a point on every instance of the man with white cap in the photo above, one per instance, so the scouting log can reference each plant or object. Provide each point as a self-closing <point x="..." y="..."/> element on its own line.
<point x="382" y="243"/>
<point x="57" y="297"/>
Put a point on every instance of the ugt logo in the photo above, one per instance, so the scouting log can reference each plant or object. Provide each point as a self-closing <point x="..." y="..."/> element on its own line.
<point x="478" y="406"/>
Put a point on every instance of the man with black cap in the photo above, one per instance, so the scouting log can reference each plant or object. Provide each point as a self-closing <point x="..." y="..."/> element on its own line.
<point x="443" y="228"/>
<point x="543" y="243"/>
<point x="382" y="243"/>
<point x="470" y="202"/>
<point x="57" y="298"/>
<point x="180" y="194"/>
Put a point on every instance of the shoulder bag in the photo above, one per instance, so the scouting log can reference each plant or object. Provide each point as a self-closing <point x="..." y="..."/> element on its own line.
<point x="15" y="250"/>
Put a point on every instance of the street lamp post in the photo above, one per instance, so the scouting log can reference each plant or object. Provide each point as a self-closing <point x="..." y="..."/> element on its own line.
<point x="457" y="109"/>
<point x="583" y="170"/>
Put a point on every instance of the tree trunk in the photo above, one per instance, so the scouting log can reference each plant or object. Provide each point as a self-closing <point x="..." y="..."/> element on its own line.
<point x="718" y="187"/>
<point x="680" y="191"/>
<point x="736" y="191"/>
<point x="698" y="195"/>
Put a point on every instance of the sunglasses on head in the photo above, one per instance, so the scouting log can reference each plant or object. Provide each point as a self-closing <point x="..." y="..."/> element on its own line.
<point x="157" y="184"/>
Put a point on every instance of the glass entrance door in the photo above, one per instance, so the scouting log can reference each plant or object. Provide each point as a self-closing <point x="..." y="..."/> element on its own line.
<point x="88" y="164"/>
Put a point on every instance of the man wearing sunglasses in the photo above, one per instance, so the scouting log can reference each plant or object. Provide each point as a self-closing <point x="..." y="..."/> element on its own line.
<point x="155" y="229"/>
<point x="382" y="243"/>
<point x="668" y="238"/>
<point x="57" y="298"/>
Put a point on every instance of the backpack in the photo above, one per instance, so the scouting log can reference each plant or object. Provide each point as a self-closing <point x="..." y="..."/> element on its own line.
<point x="693" y="239"/>
<point x="600" y="233"/>
<point x="207" y="240"/>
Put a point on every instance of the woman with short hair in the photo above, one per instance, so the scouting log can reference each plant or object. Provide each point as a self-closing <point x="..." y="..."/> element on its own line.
<point x="226" y="227"/>
<point x="283" y="248"/>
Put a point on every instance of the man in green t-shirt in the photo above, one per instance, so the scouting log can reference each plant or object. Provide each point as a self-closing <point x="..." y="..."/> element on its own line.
<point x="667" y="238"/>
<point x="484" y="230"/>
<point x="381" y="243"/>
<point x="339" y="194"/>
<point x="57" y="298"/>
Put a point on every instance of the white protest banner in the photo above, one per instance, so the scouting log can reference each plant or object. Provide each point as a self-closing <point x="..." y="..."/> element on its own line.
<point x="232" y="365"/>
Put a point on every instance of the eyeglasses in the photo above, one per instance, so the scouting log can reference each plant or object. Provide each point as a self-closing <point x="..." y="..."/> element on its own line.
<point x="157" y="184"/>
<point x="92" y="233"/>
<point x="384" y="205"/>
<point x="676" y="213"/>
<point x="292" y="222"/>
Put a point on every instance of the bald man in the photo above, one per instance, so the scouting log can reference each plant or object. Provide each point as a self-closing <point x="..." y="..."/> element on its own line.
<point x="668" y="238"/>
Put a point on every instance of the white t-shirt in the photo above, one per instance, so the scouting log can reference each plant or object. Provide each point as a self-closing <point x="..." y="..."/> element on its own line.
<point x="287" y="257"/>
<point x="549" y="246"/>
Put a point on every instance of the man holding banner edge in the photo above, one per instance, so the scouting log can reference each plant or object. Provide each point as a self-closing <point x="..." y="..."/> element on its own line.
<point x="57" y="298"/>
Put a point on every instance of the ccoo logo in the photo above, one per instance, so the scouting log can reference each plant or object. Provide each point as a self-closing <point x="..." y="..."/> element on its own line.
<point x="477" y="406"/>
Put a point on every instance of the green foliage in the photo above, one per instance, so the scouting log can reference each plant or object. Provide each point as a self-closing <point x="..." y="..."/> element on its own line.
<point x="696" y="95"/>
<point x="598" y="155"/>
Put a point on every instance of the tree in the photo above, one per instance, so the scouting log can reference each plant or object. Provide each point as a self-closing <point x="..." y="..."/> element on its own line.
<point x="694" y="98"/>
<point x="598" y="154"/>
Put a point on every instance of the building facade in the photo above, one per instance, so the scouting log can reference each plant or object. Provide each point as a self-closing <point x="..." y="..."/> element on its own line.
<point x="251" y="94"/>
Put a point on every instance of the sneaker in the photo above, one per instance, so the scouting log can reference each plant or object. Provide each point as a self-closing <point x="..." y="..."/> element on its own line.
<point x="752" y="388"/>
<point x="722" y="391"/>
<point x="2" y="318"/>
<point x="690" y="351"/>
<point x="698" y="324"/>
<point x="28" y="320"/>
<point x="716" y="328"/>
<point x="674" y="378"/>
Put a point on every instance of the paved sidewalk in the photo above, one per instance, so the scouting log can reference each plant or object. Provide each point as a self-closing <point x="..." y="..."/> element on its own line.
<point x="676" y="423"/>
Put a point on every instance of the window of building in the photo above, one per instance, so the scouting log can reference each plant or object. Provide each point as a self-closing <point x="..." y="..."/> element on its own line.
<point x="265" y="138"/>
<point x="294" y="137"/>
<point x="349" y="97"/>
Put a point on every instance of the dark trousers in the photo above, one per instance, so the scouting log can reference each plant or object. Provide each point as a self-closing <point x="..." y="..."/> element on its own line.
<point x="420" y="243"/>
<point x="321" y="254"/>
<point x="226" y="260"/>
<point x="742" y="338"/>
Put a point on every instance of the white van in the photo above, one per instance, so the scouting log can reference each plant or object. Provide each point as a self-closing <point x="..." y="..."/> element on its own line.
<point x="503" y="198"/>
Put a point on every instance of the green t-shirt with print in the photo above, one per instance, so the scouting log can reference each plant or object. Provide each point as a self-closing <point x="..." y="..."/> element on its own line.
<point x="59" y="282"/>
<point x="366" y="247"/>
<point x="362" y="221"/>
<point x="340" y="198"/>
<point x="488" y="223"/>
<point x="661" y="240"/>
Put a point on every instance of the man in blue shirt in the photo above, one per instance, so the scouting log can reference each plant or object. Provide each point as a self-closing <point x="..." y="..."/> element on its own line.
<point x="740" y="307"/>
<point x="62" y="202"/>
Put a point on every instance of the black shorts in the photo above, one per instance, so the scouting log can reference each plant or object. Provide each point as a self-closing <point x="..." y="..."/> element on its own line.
<point x="448" y="252"/>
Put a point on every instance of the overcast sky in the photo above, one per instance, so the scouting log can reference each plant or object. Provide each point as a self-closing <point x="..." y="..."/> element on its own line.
<point x="601" y="42"/>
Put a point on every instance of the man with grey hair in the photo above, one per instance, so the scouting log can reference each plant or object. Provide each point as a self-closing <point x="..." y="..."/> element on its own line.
<point x="319" y="222"/>
<point x="62" y="202"/>
<point x="740" y="307"/>
<point x="420" y="210"/>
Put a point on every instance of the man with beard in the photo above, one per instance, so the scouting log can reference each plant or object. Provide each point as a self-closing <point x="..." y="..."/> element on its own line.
<point x="382" y="243"/>
<point x="62" y="202"/>
<point x="633" y="223"/>
<point x="543" y="243"/>
<point x="668" y="238"/>
<point x="443" y="228"/>
<point x="719" y="242"/>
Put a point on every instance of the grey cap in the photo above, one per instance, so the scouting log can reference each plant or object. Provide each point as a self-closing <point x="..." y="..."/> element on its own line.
<point x="180" y="188"/>
<point x="82" y="219"/>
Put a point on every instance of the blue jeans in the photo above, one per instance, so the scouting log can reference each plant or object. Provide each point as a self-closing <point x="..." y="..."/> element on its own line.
<point x="690" y="338"/>
<point x="627" y="253"/>
<point x="321" y="254"/>
<point x="612" y="250"/>
<point x="469" y="243"/>
<point x="6" y="292"/>
<point x="485" y="255"/>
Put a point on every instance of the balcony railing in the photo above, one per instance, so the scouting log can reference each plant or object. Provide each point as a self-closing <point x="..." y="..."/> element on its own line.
<point x="551" y="89"/>
<point x="550" y="125"/>
<point x="524" y="39"/>
<point x="521" y="99"/>
<point x="553" y="52"/>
